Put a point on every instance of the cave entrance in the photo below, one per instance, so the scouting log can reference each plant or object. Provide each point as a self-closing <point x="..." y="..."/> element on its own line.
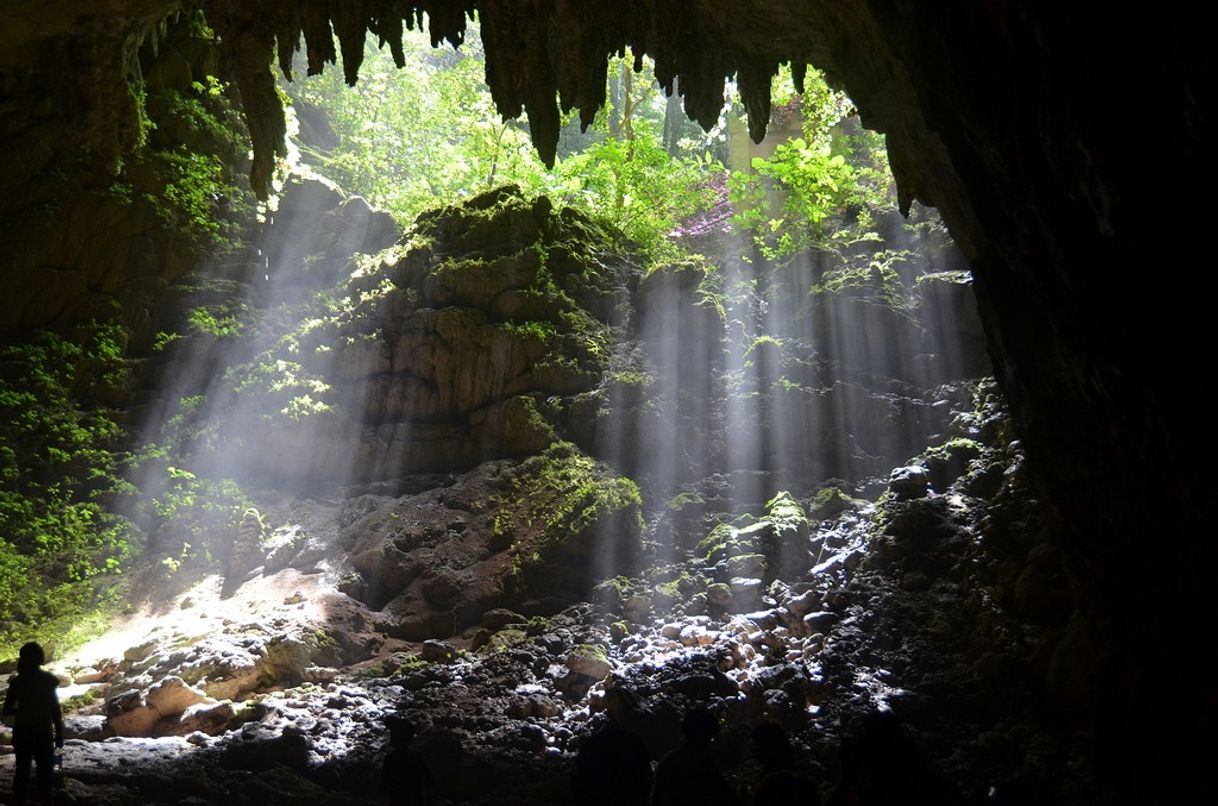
<point x="784" y="326"/>
<point x="454" y="416"/>
<point x="718" y="333"/>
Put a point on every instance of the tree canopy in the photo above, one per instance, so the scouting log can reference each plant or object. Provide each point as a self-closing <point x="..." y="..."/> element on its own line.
<point x="427" y="134"/>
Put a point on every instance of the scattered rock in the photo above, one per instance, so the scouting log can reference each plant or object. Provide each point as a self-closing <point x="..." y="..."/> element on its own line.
<point x="435" y="651"/>
<point x="637" y="608"/>
<point x="719" y="594"/>
<point x="497" y="618"/>
<point x="172" y="696"/>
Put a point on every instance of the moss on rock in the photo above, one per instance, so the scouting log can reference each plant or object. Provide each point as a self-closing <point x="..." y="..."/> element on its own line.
<point x="570" y="520"/>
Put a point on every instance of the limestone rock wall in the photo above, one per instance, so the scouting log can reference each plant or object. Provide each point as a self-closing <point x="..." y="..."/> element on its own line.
<point x="97" y="115"/>
<point x="467" y="341"/>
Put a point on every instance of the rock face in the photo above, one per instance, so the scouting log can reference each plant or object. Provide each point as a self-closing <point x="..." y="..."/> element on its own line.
<point x="535" y="535"/>
<point x="500" y="325"/>
<point x="88" y="229"/>
<point x="308" y="240"/>
<point x="467" y="342"/>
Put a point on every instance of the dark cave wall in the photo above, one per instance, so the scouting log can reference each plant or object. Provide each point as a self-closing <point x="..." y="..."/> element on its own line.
<point x="1067" y="130"/>
<point x="100" y="210"/>
<point x="66" y="117"/>
<point x="1065" y="144"/>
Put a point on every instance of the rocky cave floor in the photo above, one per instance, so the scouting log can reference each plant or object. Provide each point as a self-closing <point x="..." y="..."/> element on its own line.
<point x="922" y="603"/>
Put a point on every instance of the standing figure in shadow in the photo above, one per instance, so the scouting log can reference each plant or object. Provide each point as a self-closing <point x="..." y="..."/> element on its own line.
<point x="33" y="703"/>
<point x="689" y="775"/>
<point x="882" y="765"/>
<point x="779" y="784"/>
<point x="613" y="767"/>
<point x="405" y="777"/>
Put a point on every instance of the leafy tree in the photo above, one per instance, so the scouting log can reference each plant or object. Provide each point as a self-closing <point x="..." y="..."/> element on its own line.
<point x="822" y="190"/>
<point x="412" y="138"/>
<point x="428" y="134"/>
<point x="58" y="466"/>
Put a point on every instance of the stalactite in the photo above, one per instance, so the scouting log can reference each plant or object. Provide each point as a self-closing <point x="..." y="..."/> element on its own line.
<point x="543" y="57"/>
<point x="351" y="24"/>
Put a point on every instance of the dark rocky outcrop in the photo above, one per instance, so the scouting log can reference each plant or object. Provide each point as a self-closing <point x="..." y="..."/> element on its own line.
<point x="938" y="610"/>
<point x="534" y="536"/>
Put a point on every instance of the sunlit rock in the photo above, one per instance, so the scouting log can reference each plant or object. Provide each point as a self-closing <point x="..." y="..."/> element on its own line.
<point x="911" y="481"/>
<point x="637" y="608"/>
<point x="589" y="660"/>
<point x="171" y="697"/>
<point x="752" y="565"/>
<point x="246" y="551"/>
<point x="820" y="621"/>
<point x="127" y="714"/>
<point x="463" y="346"/>
<point x="533" y="534"/>
<point x="802" y="604"/>
<point x="211" y="719"/>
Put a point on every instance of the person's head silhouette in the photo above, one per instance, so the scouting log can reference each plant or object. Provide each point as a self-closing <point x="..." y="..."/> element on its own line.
<point x="30" y="657"/>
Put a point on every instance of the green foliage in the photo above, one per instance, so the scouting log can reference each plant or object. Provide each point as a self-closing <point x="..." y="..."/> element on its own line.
<point x="637" y="185"/>
<point x="187" y="161"/>
<point x="592" y="652"/>
<point x="830" y="501"/>
<point x="57" y="468"/>
<point x="871" y="277"/>
<point x="429" y="134"/>
<point x="714" y="543"/>
<point x="954" y="445"/>
<point x="163" y="340"/>
<point x="559" y="495"/>
<point x="214" y="320"/>
<point x="538" y="331"/>
<point x="144" y="125"/>
<point x="684" y="499"/>
<point x="564" y="491"/>
<point x="410" y="139"/>
<point x="183" y="513"/>
<point x="763" y="343"/>
<point x="785" y="512"/>
<point x="191" y="184"/>
<point x="820" y="190"/>
<point x="79" y="701"/>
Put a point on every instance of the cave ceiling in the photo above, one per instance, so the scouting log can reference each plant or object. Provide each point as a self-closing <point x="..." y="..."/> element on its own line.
<point x="543" y="56"/>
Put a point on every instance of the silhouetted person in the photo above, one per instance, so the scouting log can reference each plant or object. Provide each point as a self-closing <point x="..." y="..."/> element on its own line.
<point x="881" y="766"/>
<point x="37" y="722"/>
<point x="613" y="767"/>
<point x="405" y="778"/>
<point x="779" y="783"/>
<point x="689" y="776"/>
<point x="772" y="748"/>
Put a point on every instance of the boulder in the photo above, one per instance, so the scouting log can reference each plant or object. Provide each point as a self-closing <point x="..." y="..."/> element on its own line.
<point x="589" y="660"/>
<point x="457" y="348"/>
<point x="435" y="651"/>
<point x="172" y="696"/>
<point x="212" y="719"/>
<point x="911" y="481"/>
<point x="127" y="714"/>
